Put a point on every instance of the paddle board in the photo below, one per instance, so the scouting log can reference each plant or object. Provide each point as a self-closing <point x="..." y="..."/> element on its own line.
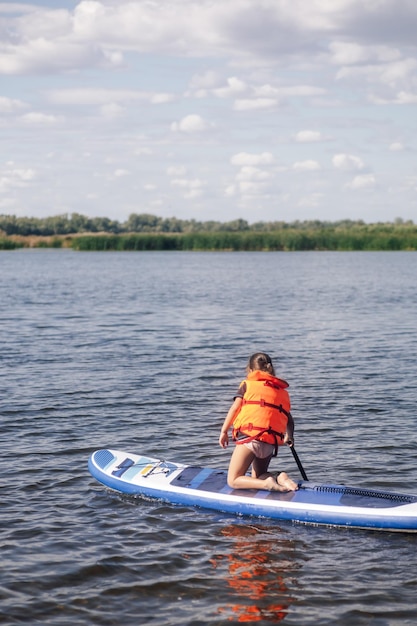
<point x="312" y="503"/>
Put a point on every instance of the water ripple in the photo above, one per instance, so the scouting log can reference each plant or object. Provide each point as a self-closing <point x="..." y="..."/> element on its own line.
<point x="144" y="351"/>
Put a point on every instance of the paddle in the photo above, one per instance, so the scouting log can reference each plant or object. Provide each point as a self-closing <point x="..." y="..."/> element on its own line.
<point x="297" y="460"/>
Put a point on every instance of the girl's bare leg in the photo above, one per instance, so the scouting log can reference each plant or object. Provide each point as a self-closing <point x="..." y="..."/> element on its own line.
<point x="240" y="462"/>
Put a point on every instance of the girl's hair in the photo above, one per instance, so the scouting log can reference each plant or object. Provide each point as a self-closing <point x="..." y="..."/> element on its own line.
<point x="261" y="361"/>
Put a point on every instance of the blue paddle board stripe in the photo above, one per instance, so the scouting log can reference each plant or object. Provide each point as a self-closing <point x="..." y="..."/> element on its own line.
<point x="122" y="467"/>
<point x="187" y="475"/>
<point x="202" y="479"/>
<point x="197" y="481"/>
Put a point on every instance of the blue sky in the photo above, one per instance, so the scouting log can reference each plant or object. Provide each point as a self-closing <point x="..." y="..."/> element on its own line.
<point x="209" y="109"/>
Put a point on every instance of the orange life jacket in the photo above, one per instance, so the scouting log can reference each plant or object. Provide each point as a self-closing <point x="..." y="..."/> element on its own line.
<point x="265" y="410"/>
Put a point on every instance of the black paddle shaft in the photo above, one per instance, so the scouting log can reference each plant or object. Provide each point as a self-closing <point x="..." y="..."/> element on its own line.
<point x="297" y="460"/>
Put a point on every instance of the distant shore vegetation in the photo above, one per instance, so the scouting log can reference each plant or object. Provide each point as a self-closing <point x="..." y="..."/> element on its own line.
<point x="149" y="232"/>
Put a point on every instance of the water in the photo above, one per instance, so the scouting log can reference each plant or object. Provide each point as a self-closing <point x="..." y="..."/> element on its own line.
<point x="144" y="351"/>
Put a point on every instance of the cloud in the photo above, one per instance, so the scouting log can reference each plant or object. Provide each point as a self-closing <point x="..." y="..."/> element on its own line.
<point x="120" y="173"/>
<point x="347" y="162"/>
<point x="40" y="119"/>
<point x="402" y="97"/>
<point x="250" y="181"/>
<point x="15" y="178"/>
<point x="255" y="104"/>
<point x="42" y="55"/>
<point x="362" y="181"/>
<point x="308" y="136"/>
<point x="353" y="53"/>
<point x="388" y="83"/>
<point x="176" y="170"/>
<point x="252" y="173"/>
<point x="98" y="34"/>
<point x="251" y="188"/>
<point x="306" y="166"/>
<point x="112" y="110"/>
<point x="313" y="200"/>
<point x="11" y="105"/>
<point x="190" y="124"/>
<point x="397" y="146"/>
<point x="257" y="96"/>
<point x="234" y="87"/>
<point x="193" y="188"/>
<point x="101" y="96"/>
<point x="204" y="82"/>
<point x="246" y="158"/>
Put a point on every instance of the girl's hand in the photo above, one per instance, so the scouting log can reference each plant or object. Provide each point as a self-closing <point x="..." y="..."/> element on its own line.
<point x="288" y="439"/>
<point x="224" y="439"/>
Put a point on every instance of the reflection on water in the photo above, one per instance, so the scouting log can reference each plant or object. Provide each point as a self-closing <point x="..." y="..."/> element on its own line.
<point x="258" y="565"/>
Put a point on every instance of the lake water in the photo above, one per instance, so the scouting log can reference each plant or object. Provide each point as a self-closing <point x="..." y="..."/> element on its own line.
<point x="144" y="352"/>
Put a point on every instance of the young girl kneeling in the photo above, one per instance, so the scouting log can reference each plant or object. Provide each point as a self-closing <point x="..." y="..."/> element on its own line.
<point x="261" y="420"/>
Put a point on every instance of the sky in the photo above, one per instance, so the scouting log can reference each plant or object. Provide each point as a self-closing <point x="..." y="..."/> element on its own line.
<point x="263" y="110"/>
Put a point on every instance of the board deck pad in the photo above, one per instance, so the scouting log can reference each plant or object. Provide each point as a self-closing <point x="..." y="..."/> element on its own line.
<point x="313" y="503"/>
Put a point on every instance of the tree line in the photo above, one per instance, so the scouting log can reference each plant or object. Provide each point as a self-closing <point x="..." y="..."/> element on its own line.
<point x="75" y="223"/>
<point x="148" y="232"/>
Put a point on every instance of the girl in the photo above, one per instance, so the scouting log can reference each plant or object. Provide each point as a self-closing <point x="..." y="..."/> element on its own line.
<point x="261" y="419"/>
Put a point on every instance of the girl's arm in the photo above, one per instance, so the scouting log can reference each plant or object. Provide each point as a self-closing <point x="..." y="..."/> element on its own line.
<point x="289" y="435"/>
<point x="233" y="411"/>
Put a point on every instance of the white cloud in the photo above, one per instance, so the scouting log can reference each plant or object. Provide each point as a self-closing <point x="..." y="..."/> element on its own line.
<point x="105" y="97"/>
<point x="306" y="166"/>
<point x="246" y="158"/>
<point x="308" y="136"/>
<point x="250" y="188"/>
<point x="311" y="201"/>
<point x="255" y="104"/>
<point x="347" y="162"/>
<point x="234" y="87"/>
<point x="119" y="173"/>
<point x="15" y="178"/>
<point x="190" y="124"/>
<point x="230" y="191"/>
<point x="193" y="188"/>
<point x="112" y="110"/>
<point x="397" y="146"/>
<point x="40" y="119"/>
<point x="301" y="91"/>
<point x="263" y="96"/>
<point x="205" y="81"/>
<point x="48" y="55"/>
<point x="395" y="76"/>
<point x="11" y="105"/>
<point x="161" y="98"/>
<point x="176" y="170"/>
<point x="404" y="97"/>
<point x="248" y="172"/>
<point x="142" y="151"/>
<point x="362" y="181"/>
<point x="352" y="53"/>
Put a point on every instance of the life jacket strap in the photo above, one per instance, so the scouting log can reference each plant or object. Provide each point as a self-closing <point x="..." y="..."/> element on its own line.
<point x="262" y="402"/>
<point x="240" y="437"/>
